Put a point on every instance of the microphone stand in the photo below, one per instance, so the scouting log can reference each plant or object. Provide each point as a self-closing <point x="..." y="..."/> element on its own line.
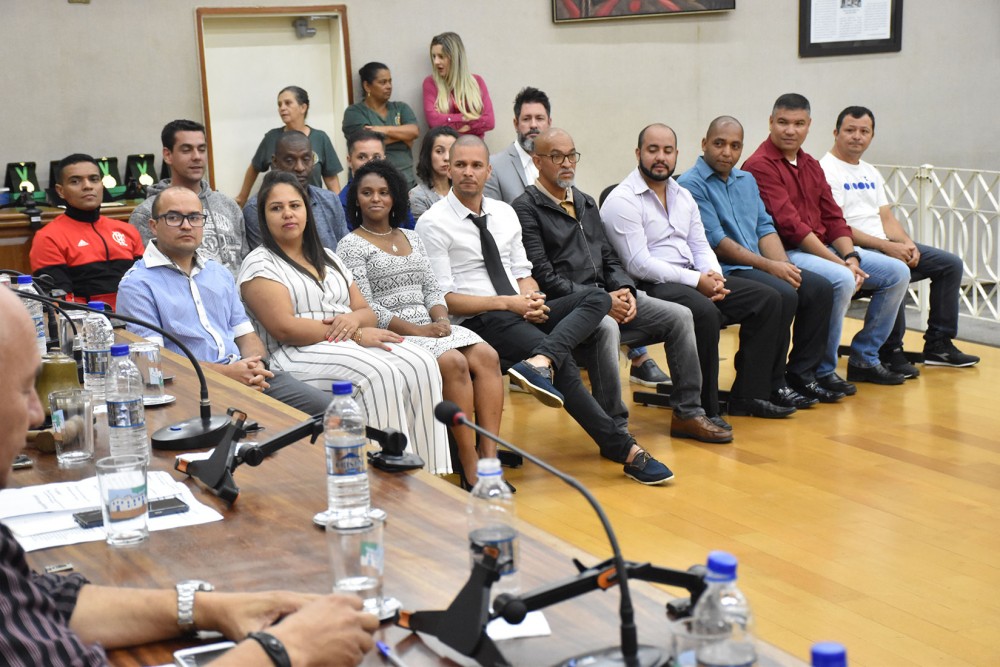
<point x="629" y="652"/>
<point x="201" y="432"/>
<point x="216" y="472"/>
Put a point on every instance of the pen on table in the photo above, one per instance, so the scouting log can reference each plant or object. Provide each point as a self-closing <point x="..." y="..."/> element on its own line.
<point x="61" y="567"/>
<point x="387" y="653"/>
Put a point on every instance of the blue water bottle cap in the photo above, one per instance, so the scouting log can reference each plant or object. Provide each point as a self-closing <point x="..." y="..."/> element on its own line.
<point x="24" y="280"/>
<point x="119" y="350"/>
<point x="96" y="305"/>
<point x="721" y="566"/>
<point x="342" y="388"/>
<point x="829" y="654"/>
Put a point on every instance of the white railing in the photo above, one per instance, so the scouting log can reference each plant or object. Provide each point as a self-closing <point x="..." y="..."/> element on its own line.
<point x="957" y="210"/>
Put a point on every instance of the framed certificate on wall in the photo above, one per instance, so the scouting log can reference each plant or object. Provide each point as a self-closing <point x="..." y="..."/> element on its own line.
<point x="848" y="27"/>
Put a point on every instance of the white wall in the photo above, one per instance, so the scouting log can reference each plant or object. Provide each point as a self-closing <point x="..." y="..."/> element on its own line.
<point x="105" y="77"/>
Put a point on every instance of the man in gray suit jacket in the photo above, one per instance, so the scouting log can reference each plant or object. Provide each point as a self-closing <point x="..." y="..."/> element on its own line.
<point x="513" y="169"/>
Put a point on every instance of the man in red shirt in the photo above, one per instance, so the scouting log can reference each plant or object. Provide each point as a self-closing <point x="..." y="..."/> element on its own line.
<point x="83" y="252"/>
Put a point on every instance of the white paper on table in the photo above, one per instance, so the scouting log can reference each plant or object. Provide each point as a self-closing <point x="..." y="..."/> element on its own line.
<point x="533" y="625"/>
<point x="54" y="526"/>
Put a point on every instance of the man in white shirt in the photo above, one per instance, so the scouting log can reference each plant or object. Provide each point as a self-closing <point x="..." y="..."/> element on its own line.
<point x="859" y="190"/>
<point x="474" y="247"/>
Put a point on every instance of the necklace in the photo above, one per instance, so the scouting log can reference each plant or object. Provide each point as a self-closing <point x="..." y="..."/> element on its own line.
<point x="394" y="248"/>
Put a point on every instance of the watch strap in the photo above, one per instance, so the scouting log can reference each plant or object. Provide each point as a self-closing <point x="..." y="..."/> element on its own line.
<point x="855" y="254"/>
<point x="273" y="647"/>
<point x="185" y="602"/>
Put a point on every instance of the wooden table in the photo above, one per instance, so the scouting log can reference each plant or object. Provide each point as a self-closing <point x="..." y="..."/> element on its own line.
<point x="16" y="233"/>
<point x="267" y="540"/>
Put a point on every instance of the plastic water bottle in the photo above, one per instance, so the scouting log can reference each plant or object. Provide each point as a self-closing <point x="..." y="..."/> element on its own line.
<point x="829" y="654"/>
<point x="35" y="309"/>
<point x="97" y="338"/>
<point x="126" y="414"/>
<point x="492" y="523"/>
<point x="348" y="496"/>
<point x="723" y="614"/>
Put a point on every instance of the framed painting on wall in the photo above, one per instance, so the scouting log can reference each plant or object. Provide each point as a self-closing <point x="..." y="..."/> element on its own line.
<point x="592" y="10"/>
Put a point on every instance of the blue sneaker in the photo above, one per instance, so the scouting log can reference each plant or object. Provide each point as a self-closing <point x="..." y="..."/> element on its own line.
<point x="647" y="470"/>
<point x="537" y="381"/>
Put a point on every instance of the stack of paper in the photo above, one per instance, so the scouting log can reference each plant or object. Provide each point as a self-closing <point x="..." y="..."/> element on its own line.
<point x="42" y="516"/>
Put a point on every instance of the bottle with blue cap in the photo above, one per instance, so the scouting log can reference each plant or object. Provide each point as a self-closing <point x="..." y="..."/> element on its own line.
<point x="96" y="340"/>
<point x="829" y="654"/>
<point x="348" y="493"/>
<point x="126" y="414"/>
<point x="35" y="309"/>
<point x="723" y="617"/>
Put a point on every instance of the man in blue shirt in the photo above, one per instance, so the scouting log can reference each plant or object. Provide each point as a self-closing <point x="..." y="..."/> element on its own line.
<point x="197" y="301"/>
<point x="293" y="153"/>
<point x="743" y="236"/>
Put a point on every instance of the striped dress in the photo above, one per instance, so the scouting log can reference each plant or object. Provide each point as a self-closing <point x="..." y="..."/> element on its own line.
<point x="397" y="389"/>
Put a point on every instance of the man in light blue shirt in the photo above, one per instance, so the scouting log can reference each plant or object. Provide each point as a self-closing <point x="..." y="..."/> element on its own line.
<point x="743" y="236"/>
<point x="293" y="153"/>
<point x="197" y="300"/>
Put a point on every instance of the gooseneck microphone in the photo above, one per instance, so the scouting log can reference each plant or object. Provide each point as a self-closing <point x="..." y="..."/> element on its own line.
<point x="199" y="432"/>
<point x="629" y="653"/>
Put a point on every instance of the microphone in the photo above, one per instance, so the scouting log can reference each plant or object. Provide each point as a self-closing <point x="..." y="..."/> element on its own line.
<point x="201" y="432"/>
<point x="630" y="653"/>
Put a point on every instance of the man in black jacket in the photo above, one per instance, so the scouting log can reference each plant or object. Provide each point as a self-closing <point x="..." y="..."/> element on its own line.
<point x="565" y="241"/>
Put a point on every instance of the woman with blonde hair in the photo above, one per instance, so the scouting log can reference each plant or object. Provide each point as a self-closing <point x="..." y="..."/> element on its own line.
<point x="453" y="95"/>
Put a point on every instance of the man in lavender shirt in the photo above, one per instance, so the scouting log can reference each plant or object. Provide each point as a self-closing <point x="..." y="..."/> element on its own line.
<point x="655" y="226"/>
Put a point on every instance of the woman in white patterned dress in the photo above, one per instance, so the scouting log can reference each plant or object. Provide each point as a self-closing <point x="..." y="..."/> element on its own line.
<point x="393" y="273"/>
<point x="316" y="324"/>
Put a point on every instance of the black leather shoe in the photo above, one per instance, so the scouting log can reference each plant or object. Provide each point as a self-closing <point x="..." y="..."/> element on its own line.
<point x="877" y="374"/>
<point x="812" y="389"/>
<point x="720" y="422"/>
<point x="897" y="362"/>
<point x="834" y="382"/>
<point x="757" y="407"/>
<point x="789" y="398"/>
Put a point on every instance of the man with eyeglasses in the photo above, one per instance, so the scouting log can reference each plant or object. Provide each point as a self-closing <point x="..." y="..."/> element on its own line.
<point x="194" y="297"/>
<point x="185" y="151"/>
<point x="565" y="242"/>
<point x="294" y="154"/>
<point x="83" y="252"/>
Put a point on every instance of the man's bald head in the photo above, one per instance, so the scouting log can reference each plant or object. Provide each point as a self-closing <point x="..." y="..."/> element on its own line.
<point x="291" y="139"/>
<point x="656" y="126"/>
<point x="544" y="141"/>
<point x="721" y="122"/>
<point x="469" y="141"/>
<point x="19" y="359"/>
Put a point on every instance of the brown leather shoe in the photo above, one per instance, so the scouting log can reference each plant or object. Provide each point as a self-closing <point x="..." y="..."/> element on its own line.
<point x="699" y="428"/>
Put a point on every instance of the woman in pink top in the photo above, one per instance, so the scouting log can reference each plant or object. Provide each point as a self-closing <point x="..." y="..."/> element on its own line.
<point x="453" y="96"/>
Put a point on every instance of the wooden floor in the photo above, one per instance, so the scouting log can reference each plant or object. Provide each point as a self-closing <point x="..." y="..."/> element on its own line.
<point x="874" y="522"/>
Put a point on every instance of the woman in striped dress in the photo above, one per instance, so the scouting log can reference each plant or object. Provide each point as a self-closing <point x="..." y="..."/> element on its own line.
<point x="316" y="324"/>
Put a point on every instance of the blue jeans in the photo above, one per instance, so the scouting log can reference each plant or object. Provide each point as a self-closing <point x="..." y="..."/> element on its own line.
<point x="945" y="271"/>
<point x="887" y="276"/>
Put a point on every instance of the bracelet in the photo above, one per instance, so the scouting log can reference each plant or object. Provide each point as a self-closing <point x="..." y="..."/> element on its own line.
<point x="357" y="335"/>
<point x="855" y="254"/>
<point x="273" y="647"/>
<point x="443" y="319"/>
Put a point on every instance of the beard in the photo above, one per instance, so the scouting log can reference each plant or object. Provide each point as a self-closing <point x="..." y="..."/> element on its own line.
<point x="527" y="142"/>
<point x="656" y="177"/>
<point x="566" y="183"/>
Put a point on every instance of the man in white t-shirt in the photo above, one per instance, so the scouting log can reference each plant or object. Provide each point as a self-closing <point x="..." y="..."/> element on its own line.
<point x="860" y="191"/>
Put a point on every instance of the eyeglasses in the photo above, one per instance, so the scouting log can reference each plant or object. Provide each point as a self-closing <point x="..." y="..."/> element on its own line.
<point x="175" y="219"/>
<point x="559" y="158"/>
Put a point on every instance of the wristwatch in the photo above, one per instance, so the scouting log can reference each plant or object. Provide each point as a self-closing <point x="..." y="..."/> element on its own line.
<point x="855" y="254"/>
<point x="273" y="647"/>
<point x="185" y="602"/>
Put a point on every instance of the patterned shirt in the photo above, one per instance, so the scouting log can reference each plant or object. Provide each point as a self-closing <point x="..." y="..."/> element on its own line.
<point x="34" y="614"/>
